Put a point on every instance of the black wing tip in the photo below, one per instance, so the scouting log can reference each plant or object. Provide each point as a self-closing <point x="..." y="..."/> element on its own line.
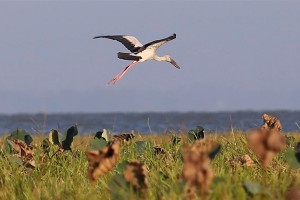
<point x="174" y="35"/>
<point x="97" y="37"/>
<point x="109" y="36"/>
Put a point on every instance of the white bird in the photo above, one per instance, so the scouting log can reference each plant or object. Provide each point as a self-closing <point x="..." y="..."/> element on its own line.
<point x="139" y="53"/>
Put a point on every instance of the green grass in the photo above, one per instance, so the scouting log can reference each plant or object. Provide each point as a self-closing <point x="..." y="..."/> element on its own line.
<point x="65" y="176"/>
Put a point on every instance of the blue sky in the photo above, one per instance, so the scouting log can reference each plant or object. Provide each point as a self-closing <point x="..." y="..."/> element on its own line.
<point x="233" y="56"/>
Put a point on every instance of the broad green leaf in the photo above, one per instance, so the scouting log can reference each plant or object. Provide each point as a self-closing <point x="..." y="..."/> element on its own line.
<point x="21" y="135"/>
<point x="98" y="143"/>
<point x="54" y="136"/>
<point x="212" y="154"/>
<point x="102" y="134"/>
<point x="196" y="134"/>
<point x="175" y="139"/>
<point x="68" y="137"/>
<point x="191" y="135"/>
<point x="17" y="134"/>
<point x="7" y="147"/>
<point x="290" y="140"/>
<point x="120" y="168"/>
<point x="162" y="175"/>
<point x="11" y="145"/>
<point x="297" y="149"/>
<point x="45" y="145"/>
<point x="181" y="185"/>
<point x="118" y="187"/>
<point x="141" y="146"/>
<point x="1" y="153"/>
<point x="219" y="180"/>
<point x="252" y="188"/>
<point x="105" y="135"/>
<point x="291" y="158"/>
<point x="199" y="129"/>
<point x="15" y="159"/>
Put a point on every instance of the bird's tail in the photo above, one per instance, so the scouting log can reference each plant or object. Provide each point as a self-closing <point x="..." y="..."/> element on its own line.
<point x="128" y="56"/>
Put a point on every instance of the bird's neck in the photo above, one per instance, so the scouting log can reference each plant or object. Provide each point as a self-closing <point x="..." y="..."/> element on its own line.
<point x="158" y="58"/>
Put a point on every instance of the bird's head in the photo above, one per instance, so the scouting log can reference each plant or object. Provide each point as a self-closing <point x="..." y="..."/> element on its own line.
<point x="170" y="60"/>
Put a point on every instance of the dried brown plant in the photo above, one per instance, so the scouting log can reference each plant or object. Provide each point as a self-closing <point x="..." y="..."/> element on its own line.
<point x="293" y="193"/>
<point x="136" y="174"/>
<point x="103" y="160"/>
<point x="123" y="138"/>
<point x="266" y="144"/>
<point x="246" y="160"/>
<point x="196" y="168"/>
<point x="23" y="151"/>
<point x="158" y="150"/>
<point x="271" y="122"/>
<point x="205" y="145"/>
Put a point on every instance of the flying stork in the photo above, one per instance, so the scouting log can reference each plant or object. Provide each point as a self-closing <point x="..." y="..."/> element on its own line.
<point x="139" y="53"/>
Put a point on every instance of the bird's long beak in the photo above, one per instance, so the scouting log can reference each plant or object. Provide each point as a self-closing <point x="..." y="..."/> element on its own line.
<point x="174" y="63"/>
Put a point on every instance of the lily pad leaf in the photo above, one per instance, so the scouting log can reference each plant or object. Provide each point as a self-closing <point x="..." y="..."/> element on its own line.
<point x="118" y="187"/>
<point x="175" y="139"/>
<point x="297" y="149"/>
<point x="141" y="146"/>
<point x="215" y="150"/>
<point x="98" y="143"/>
<point x="252" y="188"/>
<point x="291" y="158"/>
<point x="46" y="145"/>
<point x="54" y="136"/>
<point x="22" y="152"/>
<point x="121" y="166"/>
<point x="219" y="180"/>
<point x="71" y="132"/>
<point x="196" y="134"/>
<point x="21" y="135"/>
<point x="162" y="175"/>
<point x="102" y="134"/>
<point x="9" y="147"/>
<point x="17" y="134"/>
<point x="15" y="159"/>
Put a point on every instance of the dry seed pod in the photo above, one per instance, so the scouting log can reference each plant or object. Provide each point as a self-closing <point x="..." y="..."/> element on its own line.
<point x="137" y="174"/>
<point x="266" y="144"/>
<point x="271" y="122"/>
<point x="102" y="161"/>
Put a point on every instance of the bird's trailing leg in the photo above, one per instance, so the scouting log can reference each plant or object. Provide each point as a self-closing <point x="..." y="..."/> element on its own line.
<point x="119" y="76"/>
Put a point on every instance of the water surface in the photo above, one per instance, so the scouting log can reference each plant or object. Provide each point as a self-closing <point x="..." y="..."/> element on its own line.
<point x="146" y="122"/>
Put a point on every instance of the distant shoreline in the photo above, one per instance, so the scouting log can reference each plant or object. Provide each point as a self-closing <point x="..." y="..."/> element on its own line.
<point x="151" y="122"/>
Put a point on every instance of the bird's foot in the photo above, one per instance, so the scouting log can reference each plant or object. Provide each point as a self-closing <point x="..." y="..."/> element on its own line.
<point x="112" y="81"/>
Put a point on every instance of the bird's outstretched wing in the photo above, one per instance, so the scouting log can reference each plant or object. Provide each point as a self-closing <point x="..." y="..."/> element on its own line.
<point x="157" y="43"/>
<point x="130" y="42"/>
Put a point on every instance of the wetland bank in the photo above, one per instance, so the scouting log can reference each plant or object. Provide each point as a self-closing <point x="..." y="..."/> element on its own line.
<point x="64" y="175"/>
